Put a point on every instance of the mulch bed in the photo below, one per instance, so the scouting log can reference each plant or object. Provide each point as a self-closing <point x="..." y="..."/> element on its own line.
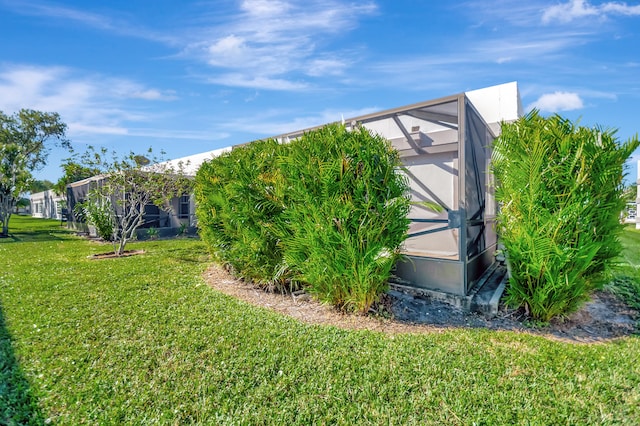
<point x="112" y="255"/>
<point x="602" y="319"/>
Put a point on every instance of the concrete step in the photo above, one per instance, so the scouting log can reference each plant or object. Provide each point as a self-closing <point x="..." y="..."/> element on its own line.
<point x="484" y="297"/>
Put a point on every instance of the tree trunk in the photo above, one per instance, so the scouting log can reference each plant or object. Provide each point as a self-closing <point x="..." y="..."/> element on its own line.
<point x="5" y="223"/>
<point x="5" y="214"/>
<point x="121" y="245"/>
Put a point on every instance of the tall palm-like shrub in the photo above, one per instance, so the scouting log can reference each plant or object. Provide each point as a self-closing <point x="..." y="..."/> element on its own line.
<point x="97" y="211"/>
<point x="237" y="208"/>
<point x="327" y="211"/>
<point x="560" y="190"/>
<point x="346" y="214"/>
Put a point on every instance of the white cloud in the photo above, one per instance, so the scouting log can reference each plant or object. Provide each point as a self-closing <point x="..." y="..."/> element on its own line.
<point x="58" y="87"/>
<point x="41" y="88"/>
<point x="230" y="50"/>
<point x="152" y="95"/>
<point x="262" y="44"/>
<point x="496" y="14"/>
<point x="127" y="89"/>
<point x="620" y="9"/>
<point x="81" y="129"/>
<point x="472" y="59"/>
<point x="326" y="67"/>
<point x="576" y="9"/>
<point x="266" y="43"/>
<point x="264" y="8"/>
<point x="89" y="104"/>
<point x="504" y="60"/>
<point x="530" y="47"/>
<point x="35" y="8"/>
<point x="276" y="122"/>
<point x="203" y="135"/>
<point x="61" y="89"/>
<point x="92" y="20"/>
<point x="565" y="12"/>
<point x="257" y="82"/>
<point x="557" y="101"/>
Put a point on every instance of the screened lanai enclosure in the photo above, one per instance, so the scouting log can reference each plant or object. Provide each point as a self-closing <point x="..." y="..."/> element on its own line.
<point x="166" y="221"/>
<point x="445" y="147"/>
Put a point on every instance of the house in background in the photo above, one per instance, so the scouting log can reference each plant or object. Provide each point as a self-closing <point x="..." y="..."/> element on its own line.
<point x="47" y="205"/>
<point x="445" y="147"/>
<point x="637" y="206"/>
<point x="180" y="213"/>
<point x="167" y="222"/>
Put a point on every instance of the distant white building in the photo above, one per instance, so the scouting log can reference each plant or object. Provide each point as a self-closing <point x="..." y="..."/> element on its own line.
<point x="47" y="205"/>
<point x="637" y="220"/>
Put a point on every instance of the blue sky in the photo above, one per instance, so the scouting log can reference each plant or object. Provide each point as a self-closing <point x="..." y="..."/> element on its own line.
<point x="192" y="76"/>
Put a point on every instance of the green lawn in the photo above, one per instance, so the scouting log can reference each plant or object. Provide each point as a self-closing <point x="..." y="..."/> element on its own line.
<point x="626" y="281"/>
<point x="143" y="340"/>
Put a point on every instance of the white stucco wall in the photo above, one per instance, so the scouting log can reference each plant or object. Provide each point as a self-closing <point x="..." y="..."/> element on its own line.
<point x="638" y="198"/>
<point x="497" y="103"/>
<point x="46" y="205"/>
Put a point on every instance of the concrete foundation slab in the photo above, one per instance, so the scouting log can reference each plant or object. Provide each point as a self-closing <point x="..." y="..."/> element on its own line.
<point x="483" y="298"/>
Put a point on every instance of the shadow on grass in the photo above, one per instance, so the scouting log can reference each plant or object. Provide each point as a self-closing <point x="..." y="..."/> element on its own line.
<point x="28" y="229"/>
<point x="18" y="406"/>
<point x="34" y="235"/>
<point x="190" y="254"/>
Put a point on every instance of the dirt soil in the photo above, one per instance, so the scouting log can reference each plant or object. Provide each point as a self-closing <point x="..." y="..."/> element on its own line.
<point x="112" y="255"/>
<point x="604" y="318"/>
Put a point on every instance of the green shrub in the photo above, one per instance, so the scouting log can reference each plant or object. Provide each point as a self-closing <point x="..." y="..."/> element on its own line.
<point x="627" y="287"/>
<point x="327" y="211"/>
<point x="98" y="212"/>
<point x="347" y="214"/>
<point x="560" y="190"/>
<point x="236" y="210"/>
<point x="152" y="233"/>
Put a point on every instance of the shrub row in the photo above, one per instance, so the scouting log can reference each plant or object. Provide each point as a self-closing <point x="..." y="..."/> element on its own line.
<point x="560" y="192"/>
<point x="327" y="212"/>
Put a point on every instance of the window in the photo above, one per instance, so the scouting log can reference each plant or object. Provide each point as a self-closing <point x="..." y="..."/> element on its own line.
<point x="183" y="208"/>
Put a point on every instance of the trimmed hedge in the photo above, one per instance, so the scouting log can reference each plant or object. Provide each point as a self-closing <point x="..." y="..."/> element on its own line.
<point x="348" y="214"/>
<point x="560" y="189"/>
<point x="327" y="212"/>
<point x="236" y="211"/>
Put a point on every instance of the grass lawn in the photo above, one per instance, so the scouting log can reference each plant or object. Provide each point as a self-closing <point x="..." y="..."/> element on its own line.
<point x="626" y="281"/>
<point x="143" y="340"/>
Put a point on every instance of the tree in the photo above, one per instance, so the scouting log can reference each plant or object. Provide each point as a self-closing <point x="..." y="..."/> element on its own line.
<point x="22" y="203"/>
<point x="25" y="139"/>
<point x="74" y="171"/>
<point x="131" y="183"/>
<point x="631" y="193"/>
<point x="40" y="186"/>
